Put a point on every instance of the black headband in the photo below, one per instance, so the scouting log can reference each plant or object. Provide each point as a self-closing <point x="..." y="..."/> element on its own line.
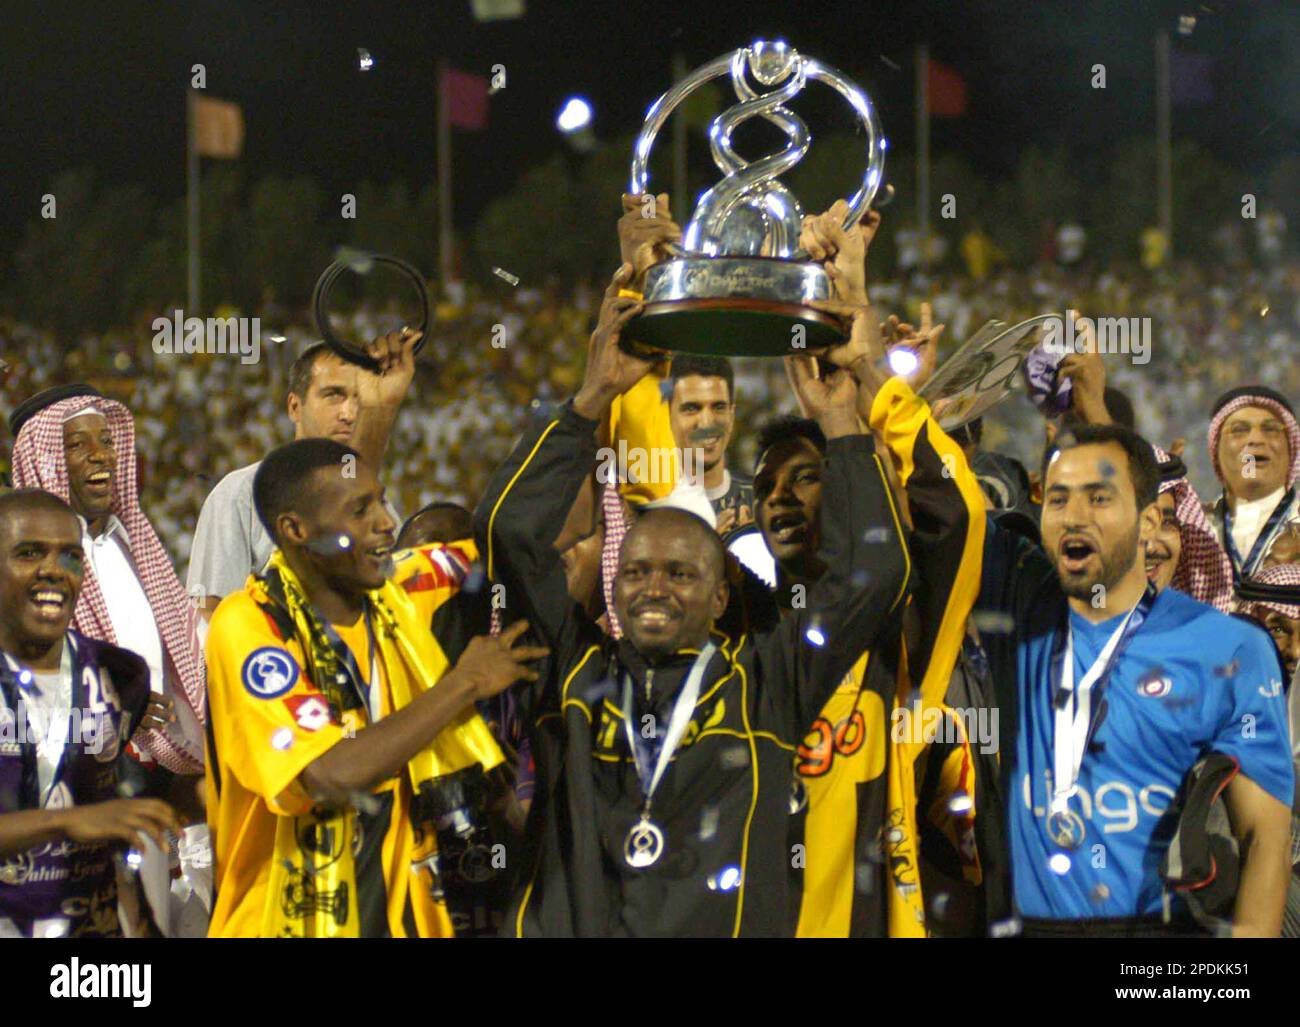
<point x="33" y="405"/>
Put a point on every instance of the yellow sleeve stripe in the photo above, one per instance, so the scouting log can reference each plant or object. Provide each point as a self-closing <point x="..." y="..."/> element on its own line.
<point x="506" y="491"/>
<point x="901" y="417"/>
<point x="898" y="414"/>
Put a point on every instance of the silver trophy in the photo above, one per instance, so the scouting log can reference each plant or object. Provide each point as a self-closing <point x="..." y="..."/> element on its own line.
<point x="739" y="285"/>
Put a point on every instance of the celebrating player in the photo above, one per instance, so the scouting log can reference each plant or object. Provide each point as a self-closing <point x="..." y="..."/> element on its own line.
<point x="67" y="704"/>
<point x="664" y="760"/>
<point x="328" y="739"/>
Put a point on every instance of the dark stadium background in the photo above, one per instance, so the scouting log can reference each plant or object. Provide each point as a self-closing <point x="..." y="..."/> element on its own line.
<point x="101" y="84"/>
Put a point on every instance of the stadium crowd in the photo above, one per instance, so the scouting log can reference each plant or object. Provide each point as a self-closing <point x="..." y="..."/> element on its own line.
<point x="853" y="675"/>
<point x="205" y="415"/>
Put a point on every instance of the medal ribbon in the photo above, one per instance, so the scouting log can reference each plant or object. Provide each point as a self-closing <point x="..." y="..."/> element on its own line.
<point x="1073" y="707"/>
<point x="367" y="692"/>
<point x="681" y="716"/>
<point x="1263" y="541"/>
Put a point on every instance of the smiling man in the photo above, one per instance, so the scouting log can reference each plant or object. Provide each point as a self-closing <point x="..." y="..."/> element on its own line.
<point x="67" y="704"/>
<point x="328" y="398"/>
<point x="664" y="759"/>
<point x="702" y="412"/>
<point x="331" y="753"/>
<point x="1114" y="693"/>
<point x="80" y="446"/>
<point x="1255" y="449"/>
<point x="1182" y="551"/>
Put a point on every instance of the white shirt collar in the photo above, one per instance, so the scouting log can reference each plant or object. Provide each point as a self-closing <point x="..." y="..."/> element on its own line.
<point x="112" y="526"/>
<point x="722" y="489"/>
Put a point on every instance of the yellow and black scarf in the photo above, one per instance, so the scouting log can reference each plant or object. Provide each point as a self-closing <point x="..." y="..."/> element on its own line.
<point x="413" y="662"/>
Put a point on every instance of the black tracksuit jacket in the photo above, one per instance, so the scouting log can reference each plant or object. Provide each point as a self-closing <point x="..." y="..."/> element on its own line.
<point x="723" y="802"/>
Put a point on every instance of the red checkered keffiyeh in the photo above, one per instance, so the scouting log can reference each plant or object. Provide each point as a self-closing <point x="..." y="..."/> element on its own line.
<point x="40" y="461"/>
<point x="1278" y="574"/>
<point x="1287" y="418"/>
<point x="615" y="530"/>
<point x="1204" y="571"/>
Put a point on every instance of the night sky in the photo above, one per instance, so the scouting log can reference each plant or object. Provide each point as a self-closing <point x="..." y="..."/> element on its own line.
<point x="102" y="84"/>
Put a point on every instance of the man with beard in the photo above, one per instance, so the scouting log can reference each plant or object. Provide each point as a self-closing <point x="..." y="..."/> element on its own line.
<point x="67" y="703"/>
<point x="664" y="759"/>
<point x="1255" y="450"/>
<point x="330" y="750"/>
<point x="1113" y="692"/>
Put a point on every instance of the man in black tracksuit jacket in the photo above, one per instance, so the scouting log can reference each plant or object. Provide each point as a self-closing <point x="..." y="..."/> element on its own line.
<point x="722" y="805"/>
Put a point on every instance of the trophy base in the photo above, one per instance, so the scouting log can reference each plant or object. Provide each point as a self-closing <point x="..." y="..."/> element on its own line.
<point x="735" y="307"/>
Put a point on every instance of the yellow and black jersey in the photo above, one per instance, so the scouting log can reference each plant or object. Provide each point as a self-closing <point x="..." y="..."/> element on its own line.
<point x="856" y="815"/>
<point x="723" y="802"/>
<point x="283" y="867"/>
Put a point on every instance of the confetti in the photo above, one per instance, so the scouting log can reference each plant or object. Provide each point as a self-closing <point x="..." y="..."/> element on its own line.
<point x="1006" y="928"/>
<point x="1186" y="24"/>
<point x="505" y="275"/>
<point x="708" y="823"/>
<point x="1059" y="864"/>
<point x="876" y="535"/>
<point x="282" y="739"/>
<point x="1100" y="893"/>
<point x="960" y="804"/>
<point x="815" y="636"/>
<point x="734" y="758"/>
<point x="726" y="879"/>
<point x="474" y="580"/>
<point x="134" y="859"/>
<point x="993" y="623"/>
<point x="364" y="61"/>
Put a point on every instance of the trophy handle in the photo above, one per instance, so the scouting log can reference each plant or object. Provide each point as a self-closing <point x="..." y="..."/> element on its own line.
<point x="813" y="69"/>
<point x="866" y="111"/>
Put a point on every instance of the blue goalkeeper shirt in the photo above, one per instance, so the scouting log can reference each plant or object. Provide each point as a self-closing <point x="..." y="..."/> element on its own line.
<point x="1189" y="682"/>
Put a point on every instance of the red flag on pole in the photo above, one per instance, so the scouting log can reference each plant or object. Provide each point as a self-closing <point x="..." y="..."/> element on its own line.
<point x="946" y="90"/>
<point x="466" y="97"/>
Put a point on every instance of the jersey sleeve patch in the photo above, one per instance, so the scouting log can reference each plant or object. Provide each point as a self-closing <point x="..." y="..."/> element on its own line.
<point x="269" y="672"/>
<point x="310" y="712"/>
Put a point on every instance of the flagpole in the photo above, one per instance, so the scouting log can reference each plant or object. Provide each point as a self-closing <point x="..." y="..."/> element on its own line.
<point x="192" y="296"/>
<point x="679" y="146"/>
<point x="1164" y="157"/>
<point x="923" y="151"/>
<point x="444" y="177"/>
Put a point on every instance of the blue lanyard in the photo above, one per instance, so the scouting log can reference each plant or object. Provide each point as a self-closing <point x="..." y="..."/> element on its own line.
<point x="1262" y="541"/>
